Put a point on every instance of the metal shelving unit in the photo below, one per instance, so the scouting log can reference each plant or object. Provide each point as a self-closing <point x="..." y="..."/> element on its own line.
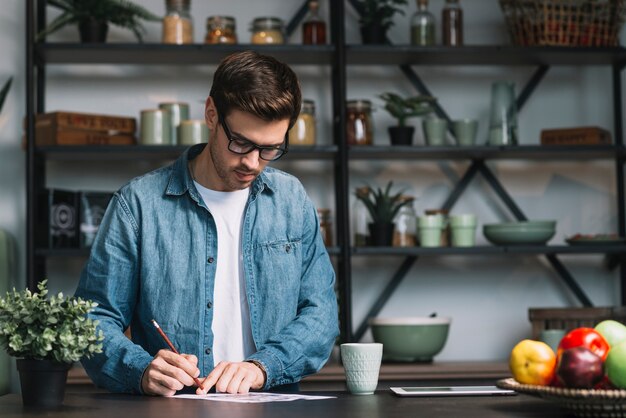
<point x="338" y="56"/>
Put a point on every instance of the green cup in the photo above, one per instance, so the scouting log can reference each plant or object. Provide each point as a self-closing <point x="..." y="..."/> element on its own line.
<point x="362" y="364"/>
<point x="465" y="131"/>
<point x="463" y="229"/>
<point x="155" y="127"/>
<point x="192" y="132"/>
<point x="430" y="229"/>
<point x="435" y="131"/>
<point x="552" y="337"/>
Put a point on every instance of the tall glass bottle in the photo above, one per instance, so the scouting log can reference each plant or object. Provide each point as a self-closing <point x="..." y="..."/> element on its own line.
<point x="405" y="232"/>
<point x="360" y="219"/>
<point x="314" y="28"/>
<point x="452" y="23"/>
<point x="422" y="25"/>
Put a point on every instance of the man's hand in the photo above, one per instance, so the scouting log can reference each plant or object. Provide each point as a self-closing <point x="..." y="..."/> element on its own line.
<point x="169" y="372"/>
<point x="230" y="377"/>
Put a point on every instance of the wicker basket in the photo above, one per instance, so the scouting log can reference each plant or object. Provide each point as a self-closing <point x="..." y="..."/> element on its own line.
<point x="570" y="318"/>
<point x="564" y="22"/>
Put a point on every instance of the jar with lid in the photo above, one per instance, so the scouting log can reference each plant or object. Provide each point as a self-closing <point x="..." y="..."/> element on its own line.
<point x="452" y="23"/>
<point x="360" y="218"/>
<point x="422" y="25"/>
<point x="326" y="226"/>
<point x="314" y="28"/>
<point x="303" y="131"/>
<point x="177" y="23"/>
<point x="267" y="30"/>
<point x="359" y="125"/>
<point x="446" y="234"/>
<point x="220" y="30"/>
<point x="405" y="232"/>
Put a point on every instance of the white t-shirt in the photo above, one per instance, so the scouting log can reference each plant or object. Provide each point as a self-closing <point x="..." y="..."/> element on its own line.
<point x="231" y="327"/>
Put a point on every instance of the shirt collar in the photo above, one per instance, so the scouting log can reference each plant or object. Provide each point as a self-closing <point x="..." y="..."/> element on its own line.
<point x="180" y="180"/>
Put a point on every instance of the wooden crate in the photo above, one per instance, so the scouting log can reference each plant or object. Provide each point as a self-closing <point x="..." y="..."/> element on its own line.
<point x="570" y="318"/>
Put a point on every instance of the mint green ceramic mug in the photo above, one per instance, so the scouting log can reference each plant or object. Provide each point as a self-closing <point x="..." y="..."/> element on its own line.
<point x="192" y="132"/>
<point x="430" y="228"/>
<point x="463" y="229"/>
<point x="155" y="127"/>
<point x="435" y="131"/>
<point x="361" y="362"/>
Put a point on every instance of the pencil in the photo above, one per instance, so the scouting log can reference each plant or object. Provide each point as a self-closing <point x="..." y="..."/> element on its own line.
<point x="169" y="343"/>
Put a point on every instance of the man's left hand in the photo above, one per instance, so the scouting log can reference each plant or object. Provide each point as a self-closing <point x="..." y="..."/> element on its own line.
<point x="233" y="377"/>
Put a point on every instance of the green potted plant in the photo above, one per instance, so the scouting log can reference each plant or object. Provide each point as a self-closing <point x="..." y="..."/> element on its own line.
<point x="5" y="91"/>
<point x="402" y="109"/>
<point x="383" y="208"/>
<point x="93" y="17"/>
<point x="46" y="335"/>
<point x="376" y="17"/>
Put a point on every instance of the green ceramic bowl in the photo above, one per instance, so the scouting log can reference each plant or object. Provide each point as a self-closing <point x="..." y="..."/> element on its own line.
<point x="520" y="233"/>
<point x="416" y="339"/>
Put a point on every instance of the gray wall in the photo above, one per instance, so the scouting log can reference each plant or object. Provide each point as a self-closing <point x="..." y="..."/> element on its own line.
<point x="481" y="294"/>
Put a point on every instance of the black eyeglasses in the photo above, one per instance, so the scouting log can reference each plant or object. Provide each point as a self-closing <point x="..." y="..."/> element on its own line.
<point x="243" y="146"/>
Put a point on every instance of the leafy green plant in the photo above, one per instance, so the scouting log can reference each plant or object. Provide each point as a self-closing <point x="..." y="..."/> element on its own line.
<point x="379" y="11"/>
<point x="5" y="91"/>
<point x="381" y="204"/>
<point x="123" y="13"/>
<point x="403" y="108"/>
<point x="55" y="328"/>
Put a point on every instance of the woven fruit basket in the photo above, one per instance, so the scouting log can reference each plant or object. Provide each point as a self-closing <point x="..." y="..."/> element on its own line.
<point x="564" y="22"/>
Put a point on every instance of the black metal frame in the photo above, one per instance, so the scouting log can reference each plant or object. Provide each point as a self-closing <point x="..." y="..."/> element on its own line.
<point x="338" y="55"/>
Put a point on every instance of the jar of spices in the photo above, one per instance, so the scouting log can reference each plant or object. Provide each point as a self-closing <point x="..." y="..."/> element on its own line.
<point x="267" y="30"/>
<point x="303" y="131"/>
<point x="326" y="226"/>
<point x="405" y="232"/>
<point x="452" y="23"/>
<point x="220" y="30"/>
<point x="446" y="234"/>
<point x="359" y="126"/>
<point x="422" y="25"/>
<point x="177" y="23"/>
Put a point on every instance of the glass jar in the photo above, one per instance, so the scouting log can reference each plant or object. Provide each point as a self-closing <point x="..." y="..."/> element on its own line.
<point x="359" y="126"/>
<point x="422" y="25"/>
<point x="303" y="131"/>
<point x="220" y="30"/>
<point x="267" y="30"/>
<point x="452" y="23"/>
<point x="405" y="232"/>
<point x="314" y="28"/>
<point x="177" y="23"/>
<point x="326" y="226"/>
<point x="360" y="218"/>
<point x="446" y="234"/>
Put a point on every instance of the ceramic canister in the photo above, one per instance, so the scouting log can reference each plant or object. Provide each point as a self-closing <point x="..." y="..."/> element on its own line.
<point x="192" y="131"/>
<point x="178" y="111"/>
<point x="155" y="127"/>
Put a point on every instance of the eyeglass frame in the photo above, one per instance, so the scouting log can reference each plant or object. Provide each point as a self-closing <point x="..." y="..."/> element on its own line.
<point x="229" y="136"/>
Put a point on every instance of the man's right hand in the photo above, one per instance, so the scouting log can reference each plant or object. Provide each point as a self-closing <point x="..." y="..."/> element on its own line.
<point x="169" y="372"/>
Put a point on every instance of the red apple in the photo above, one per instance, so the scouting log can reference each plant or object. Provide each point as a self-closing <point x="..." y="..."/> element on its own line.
<point x="579" y="367"/>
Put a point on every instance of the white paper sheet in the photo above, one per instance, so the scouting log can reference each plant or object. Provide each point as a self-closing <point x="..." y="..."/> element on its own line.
<point x="252" y="397"/>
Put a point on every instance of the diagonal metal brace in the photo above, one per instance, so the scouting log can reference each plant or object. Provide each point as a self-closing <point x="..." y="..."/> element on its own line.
<point x="461" y="185"/>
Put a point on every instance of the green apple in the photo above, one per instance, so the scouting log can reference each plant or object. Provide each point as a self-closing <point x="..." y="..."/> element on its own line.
<point x="613" y="332"/>
<point x="615" y="365"/>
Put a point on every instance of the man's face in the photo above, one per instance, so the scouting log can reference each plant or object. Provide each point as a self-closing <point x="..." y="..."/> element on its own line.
<point x="229" y="171"/>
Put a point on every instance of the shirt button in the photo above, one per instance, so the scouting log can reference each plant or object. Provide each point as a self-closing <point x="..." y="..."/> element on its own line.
<point x="288" y="248"/>
<point x="209" y="305"/>
<point x="207" y="351"/>
<point x="211" y="259"/>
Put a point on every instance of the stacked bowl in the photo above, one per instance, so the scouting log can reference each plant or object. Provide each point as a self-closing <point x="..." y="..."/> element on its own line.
<point x="520" y="233"/>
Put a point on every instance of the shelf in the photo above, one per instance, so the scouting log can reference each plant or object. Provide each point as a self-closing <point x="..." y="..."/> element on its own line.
<point x="165" y="54"/>
<point x="490" y="250"/>
<point x="506" y="55"/>
<point x="165" y="152"/>
<point x="482" y="152"/>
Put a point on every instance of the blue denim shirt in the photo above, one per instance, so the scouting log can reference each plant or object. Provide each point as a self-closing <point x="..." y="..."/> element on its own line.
<point x="155" y="257"/>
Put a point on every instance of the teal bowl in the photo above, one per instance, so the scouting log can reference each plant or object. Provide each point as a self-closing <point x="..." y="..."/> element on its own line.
<point x="520" y="233"/>
<point x="416" y="339"/>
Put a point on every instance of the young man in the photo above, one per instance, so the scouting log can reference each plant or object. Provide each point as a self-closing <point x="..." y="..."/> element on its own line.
<point x="222" y="251"/>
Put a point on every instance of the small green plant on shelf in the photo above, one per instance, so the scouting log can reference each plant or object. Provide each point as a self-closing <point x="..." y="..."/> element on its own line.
<point x="55" y="328"/>
<point x="123" y="13"/>
<point x="380" y="11"/>
<point x="381" y="204"/>
<point x="402" y="108"/>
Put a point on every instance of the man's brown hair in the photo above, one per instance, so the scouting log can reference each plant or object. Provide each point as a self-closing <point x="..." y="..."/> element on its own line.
<point x="256" y="84"/>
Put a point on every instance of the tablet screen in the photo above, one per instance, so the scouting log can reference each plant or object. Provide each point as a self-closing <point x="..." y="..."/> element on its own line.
<point x="451" y="391"/>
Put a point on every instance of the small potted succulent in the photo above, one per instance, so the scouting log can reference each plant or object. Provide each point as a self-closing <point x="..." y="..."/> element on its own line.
<point x="376" y="18"/>
<point x="402" y="109"/>
<point x="93" y="17"/>
<point x="46" y="335"/>
<point x="383" y="208"/>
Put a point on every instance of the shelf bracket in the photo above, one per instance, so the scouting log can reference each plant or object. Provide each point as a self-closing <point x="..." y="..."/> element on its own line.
<point x="297" y="19"/>
<point x="530" y="87"/>
<point x="501" y="191"/>
<point x="461" y="186"/>
<point x="385" y="295"/>
<point x="569" y="280"/>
